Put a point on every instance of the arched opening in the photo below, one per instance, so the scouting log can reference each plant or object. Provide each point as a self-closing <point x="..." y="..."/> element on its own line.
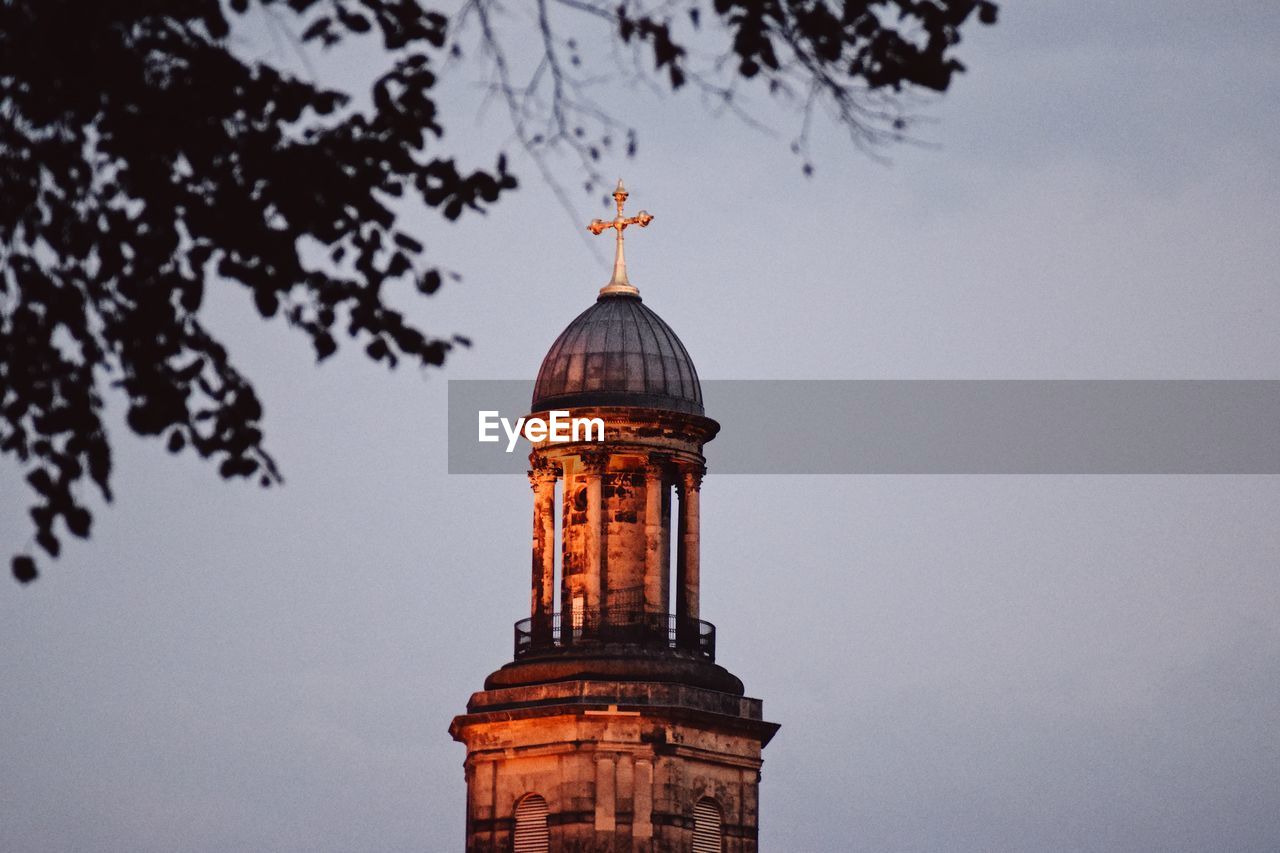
<point x="531" y="834"/>
<point x="707" y="837"/>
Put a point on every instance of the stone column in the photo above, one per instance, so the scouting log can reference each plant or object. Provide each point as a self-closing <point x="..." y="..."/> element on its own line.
<point x="596" y="581"/>
<point x="642" y="812"/>
<point x="687" y="561"/>
<point x="542" y="593"/>
<point x="624" y="787"/>
<point x="657" y="548"/>
<point x="664" y="545"/>
<point x="606" y="819"/>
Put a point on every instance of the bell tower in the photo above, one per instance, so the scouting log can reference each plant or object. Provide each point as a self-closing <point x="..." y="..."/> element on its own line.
<point x="613" y="729"/>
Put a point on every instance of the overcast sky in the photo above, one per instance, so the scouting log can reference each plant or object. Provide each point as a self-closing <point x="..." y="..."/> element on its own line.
<point x="1081" y="663"/>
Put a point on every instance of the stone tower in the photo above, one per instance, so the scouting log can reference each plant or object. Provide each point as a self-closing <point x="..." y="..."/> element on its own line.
<point x="613" y="729"/>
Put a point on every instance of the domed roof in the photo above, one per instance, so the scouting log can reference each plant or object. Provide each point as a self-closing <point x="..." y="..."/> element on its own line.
<point x="618" y="353"/>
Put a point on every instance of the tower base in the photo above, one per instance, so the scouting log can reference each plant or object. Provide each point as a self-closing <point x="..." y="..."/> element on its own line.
<point x="635" y="766"/>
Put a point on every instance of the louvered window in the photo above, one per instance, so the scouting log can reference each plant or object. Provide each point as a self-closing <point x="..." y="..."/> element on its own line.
<point x="531" y="826"/>
<point x="706" y="826"/>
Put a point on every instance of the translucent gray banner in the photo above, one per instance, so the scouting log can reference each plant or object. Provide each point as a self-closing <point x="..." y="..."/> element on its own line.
<point x="939" y="426"/>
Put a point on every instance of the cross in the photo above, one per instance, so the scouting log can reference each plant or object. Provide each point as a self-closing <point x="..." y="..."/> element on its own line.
<point x="619" y="283"/>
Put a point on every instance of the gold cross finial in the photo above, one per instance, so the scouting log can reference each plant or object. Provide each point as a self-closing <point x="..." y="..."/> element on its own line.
<point x="619" y="283"/>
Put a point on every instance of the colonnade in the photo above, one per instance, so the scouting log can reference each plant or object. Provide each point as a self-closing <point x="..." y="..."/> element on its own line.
<point x="660" y="476"/>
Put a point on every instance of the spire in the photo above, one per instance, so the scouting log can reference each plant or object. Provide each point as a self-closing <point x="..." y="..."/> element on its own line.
<point x="619" y="285"/>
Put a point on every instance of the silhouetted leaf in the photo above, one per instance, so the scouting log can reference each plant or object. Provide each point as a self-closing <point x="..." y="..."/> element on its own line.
<point x="41" y="481"/>
<point x="46" y="540"/>
<point x="430" y="282"/>
<point x="79" y="521"/>
<point x="325" y="345"/>
<point x="24" y="569"/>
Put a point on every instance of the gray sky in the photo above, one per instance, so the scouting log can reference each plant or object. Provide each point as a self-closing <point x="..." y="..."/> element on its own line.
<point x="958" y="663"/>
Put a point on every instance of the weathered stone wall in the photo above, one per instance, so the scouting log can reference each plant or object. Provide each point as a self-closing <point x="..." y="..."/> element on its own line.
<point x="614" y="781"/>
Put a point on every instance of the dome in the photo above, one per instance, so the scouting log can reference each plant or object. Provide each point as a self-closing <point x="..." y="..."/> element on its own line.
<point x="618" y="353"/>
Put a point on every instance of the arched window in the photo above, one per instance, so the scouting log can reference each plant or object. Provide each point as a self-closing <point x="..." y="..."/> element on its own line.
<point x="706" y="827"/>
<point x="531" y="825"/>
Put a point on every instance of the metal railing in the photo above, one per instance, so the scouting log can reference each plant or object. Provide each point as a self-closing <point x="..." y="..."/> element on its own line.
<point x="560" y="631"/>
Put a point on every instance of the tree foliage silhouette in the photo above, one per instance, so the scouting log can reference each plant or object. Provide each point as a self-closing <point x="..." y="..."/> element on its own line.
<point x="142" y="160"/>
<point x="855" y="58"/>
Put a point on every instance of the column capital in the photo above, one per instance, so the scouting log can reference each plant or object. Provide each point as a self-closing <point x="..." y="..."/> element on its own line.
<point x="542" y="474"/>
<point x="657" y="464"/>
<point x="691" y="478"/>
<point x="593" y="462"/>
